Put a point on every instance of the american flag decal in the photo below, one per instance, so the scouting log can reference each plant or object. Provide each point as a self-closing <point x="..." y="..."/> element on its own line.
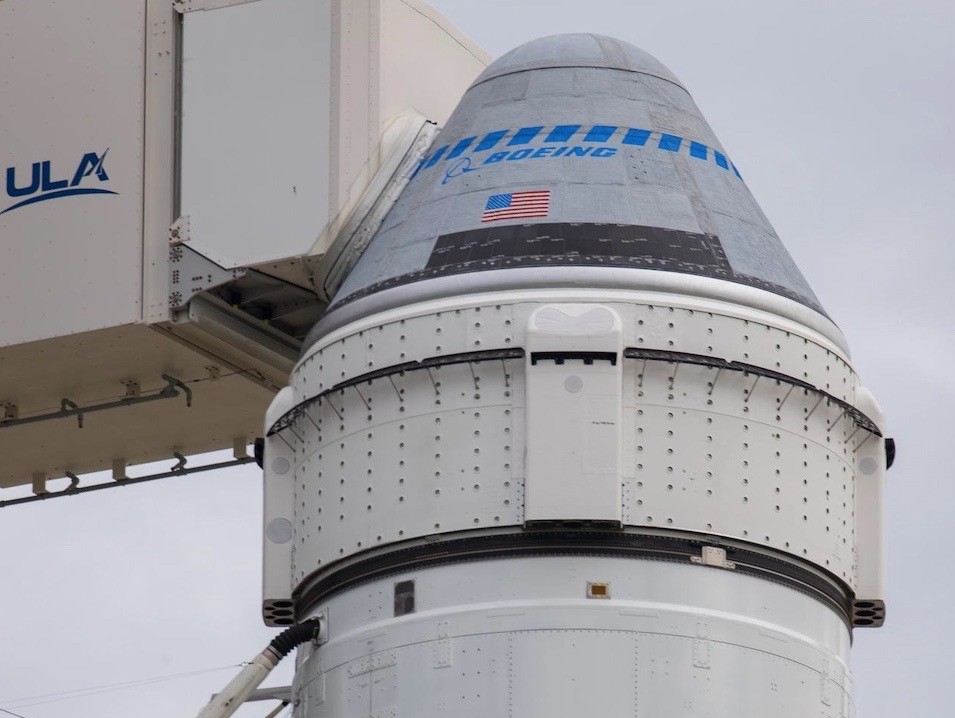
<point x="517" y="205"/>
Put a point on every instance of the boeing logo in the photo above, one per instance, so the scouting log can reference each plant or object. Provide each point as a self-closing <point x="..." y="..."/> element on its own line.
<point x="567" y="141"/>
<point x="38" y="185"/>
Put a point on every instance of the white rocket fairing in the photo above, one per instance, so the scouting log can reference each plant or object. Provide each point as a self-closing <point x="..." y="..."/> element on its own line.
<point x="575" y="434"/>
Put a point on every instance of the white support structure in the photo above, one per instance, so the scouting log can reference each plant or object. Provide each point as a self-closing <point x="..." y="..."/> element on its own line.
<point x="259" y="132"/>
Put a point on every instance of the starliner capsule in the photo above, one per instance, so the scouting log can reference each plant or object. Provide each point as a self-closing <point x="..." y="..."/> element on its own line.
<point x="575" y="436"/>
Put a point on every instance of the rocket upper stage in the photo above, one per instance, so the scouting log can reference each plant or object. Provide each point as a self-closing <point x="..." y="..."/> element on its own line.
<point x="584" y="152"/>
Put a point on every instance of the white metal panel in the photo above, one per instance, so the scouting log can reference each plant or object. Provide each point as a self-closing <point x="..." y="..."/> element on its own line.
<point x="573" y="413"/>
<point x="71" y="153"/>
<point x="870" y="466"/>
<point x="159" y="154"/>
<point x="386" y="462"/>
<point x="727" y="453"/>
<point x="278" y="514"/>
<point x="518" y="636"/>
<point x="255" y="129"/>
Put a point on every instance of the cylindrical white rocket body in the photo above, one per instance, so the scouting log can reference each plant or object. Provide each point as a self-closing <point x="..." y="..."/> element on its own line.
<point x="575" y="435"/>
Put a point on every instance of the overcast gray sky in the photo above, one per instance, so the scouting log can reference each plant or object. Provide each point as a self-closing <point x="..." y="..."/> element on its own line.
<point x="840" y="117"/>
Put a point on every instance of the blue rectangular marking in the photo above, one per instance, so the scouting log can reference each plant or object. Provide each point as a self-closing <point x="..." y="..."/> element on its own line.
<point x="698" y="150"/>
<point x="460" y="147"/>
<point x="670" y="143"/>
<point x="436" y="156"/>
<point x="561" y="133"/>
<point x="600" y="133"/>
<point x="525" y="135"/>
<point x="721" y="160"/>
<point x="490" y="139"/>
<point x="636" y="137"/>
<point x="498" y="201"/>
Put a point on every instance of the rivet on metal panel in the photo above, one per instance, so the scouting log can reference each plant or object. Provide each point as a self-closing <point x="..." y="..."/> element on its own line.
<point x="442" y="646"/>
<point x="825" y="686"/>
<point x="701" y="646"/>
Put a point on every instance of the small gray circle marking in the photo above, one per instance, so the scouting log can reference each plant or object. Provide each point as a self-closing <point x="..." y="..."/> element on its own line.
<point x="279" y="530"/>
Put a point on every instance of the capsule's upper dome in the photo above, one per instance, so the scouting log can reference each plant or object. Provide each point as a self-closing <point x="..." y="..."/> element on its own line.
<point x="575" y="160"/>
<point x="577" y="50"/>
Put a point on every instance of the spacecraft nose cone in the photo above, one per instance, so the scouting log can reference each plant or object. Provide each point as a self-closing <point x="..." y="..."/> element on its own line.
<point x="577" y="160"/>
<point x="577" y="50"/>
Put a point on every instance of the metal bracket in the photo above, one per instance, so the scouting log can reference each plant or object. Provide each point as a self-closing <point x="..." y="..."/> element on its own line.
<point x="713" y="556"/>
<point x="10" y="410"/>
<point x="190" y="273"/>
<point x="180" y="463"/>
<point x="179" y="230"/>
<point x="274" y="693"/>
<point x="68" y="407"/>
<point x="39" y="484"/>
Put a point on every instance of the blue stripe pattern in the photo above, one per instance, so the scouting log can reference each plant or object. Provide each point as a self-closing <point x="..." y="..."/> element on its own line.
<point x="460" y="147"/>
<point x="636" y="137"/>
<point x="670" y="143"/>
<point x="525" y="135"/>
<point x="490" y="139"/>
<point x="600" y="133"/>
<point x="633" y="136"/>
<point x="561" y="133"/>
<point x="437" y="156"/>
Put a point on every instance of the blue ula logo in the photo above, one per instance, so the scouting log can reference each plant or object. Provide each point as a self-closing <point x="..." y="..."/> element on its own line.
<point x="38" y="184"/>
